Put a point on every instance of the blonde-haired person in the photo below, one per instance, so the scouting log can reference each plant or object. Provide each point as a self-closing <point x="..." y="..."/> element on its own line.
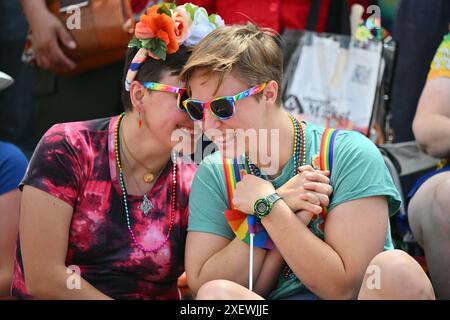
<point x="104" y="204"/>
<point x="351" y="257"/>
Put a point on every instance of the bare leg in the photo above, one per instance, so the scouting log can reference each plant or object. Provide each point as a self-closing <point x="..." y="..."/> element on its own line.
<point x="429" y="218"/>
<point x="395" y="275"/>
<point x="225" y="290"/>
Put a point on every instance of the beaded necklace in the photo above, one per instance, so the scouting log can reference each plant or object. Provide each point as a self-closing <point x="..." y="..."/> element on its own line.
<point x="124" y="192"/>
<point x="298" y="152"/>
<point x="299" y="155"/>
<point x="146" y="204"/>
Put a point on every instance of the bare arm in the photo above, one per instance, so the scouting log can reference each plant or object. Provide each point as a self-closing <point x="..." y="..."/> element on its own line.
<point x="270" y="270"/>
<point x="355" y="232"/>
<point x="274" y="262"/>
<point x="210" y="257"/>
<point x="206" y="254"/>
<point x="9" y="229"/>
<point x="44" y="233"/>
<point x="431" y="124"/>
<point x="234" y="254"/>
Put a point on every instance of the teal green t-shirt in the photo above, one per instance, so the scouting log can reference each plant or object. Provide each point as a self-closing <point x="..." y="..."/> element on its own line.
<point x="358" y="171"/>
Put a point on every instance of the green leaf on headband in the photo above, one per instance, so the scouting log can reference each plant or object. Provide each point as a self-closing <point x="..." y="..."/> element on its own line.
<point x="135" y="42"/>
<point x="191" y="10"/>
<point x="146" y="43"/>
<point x="158" y="48"/>
<point x="212" y="19"/>
<point x="164" y="9"/>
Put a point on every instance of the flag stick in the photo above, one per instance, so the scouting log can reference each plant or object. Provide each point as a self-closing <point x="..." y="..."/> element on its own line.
<point x="250" y="271"/>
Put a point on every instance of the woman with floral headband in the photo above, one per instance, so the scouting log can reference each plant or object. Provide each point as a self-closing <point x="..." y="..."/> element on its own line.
<point x="345" y="252"/>
<point x="104" y="207"/>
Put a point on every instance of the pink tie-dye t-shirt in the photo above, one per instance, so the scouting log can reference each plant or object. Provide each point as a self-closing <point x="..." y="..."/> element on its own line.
<point x="75" y="162"/>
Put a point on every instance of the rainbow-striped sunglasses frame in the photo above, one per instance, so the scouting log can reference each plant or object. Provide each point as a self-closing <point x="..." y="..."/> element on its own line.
<point x="155" y="86"/>
<point x="222" y="108"/>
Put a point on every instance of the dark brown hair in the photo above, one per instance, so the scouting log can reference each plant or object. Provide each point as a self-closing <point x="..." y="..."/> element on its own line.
<point x="153" y="70"/>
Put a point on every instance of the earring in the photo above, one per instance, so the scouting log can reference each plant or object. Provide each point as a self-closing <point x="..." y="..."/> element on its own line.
<point x="139" y="121"/>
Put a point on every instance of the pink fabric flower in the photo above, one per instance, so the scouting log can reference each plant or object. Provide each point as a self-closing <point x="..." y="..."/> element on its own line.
<point x="182" y="23"/>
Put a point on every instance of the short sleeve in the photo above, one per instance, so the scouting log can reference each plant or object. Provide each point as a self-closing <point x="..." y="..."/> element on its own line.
<point x="13" y="165"/>
<point x="208" y="199"/>
<point x="56" y="166"/>
<point x="440" y="66"/>
<point x="359" y="171"/>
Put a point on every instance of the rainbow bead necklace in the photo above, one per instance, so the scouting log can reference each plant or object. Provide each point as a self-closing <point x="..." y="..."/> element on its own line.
<point x="298" y="152"/>
<point x="124" y="192"/>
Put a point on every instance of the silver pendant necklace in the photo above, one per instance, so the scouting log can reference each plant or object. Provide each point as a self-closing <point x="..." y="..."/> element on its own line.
<point x="146" y="205"/>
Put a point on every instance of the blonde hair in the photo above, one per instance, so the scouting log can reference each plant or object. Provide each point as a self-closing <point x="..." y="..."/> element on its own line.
<point x="254" y="56"/>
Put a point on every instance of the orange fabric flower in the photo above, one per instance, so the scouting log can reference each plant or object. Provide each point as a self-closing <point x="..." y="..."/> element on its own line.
<point x="162" y="26"/>
<point x="143" y="31"/>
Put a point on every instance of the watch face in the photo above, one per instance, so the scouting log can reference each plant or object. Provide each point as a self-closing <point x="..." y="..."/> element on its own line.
<point x="261" y="207"/>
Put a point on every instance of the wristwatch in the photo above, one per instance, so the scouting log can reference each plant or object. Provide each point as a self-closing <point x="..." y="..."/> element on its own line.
<point x="263" y="206"/>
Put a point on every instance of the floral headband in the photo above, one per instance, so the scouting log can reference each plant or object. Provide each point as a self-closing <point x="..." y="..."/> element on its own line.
<point x="164" y="27"/>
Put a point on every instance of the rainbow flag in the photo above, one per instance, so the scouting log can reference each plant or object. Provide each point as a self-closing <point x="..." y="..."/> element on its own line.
<point x="326" y="158"/>
<point x="242" y="224"/>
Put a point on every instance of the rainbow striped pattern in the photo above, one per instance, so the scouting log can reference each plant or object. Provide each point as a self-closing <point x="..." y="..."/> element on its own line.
<point x="231" y="99"/>
<point x="242" y="224"/>
<point x="249" y="92"/>
<point x="326" y="157"/>
<point x="138" y="59"/>
<point x="162" y="87"/>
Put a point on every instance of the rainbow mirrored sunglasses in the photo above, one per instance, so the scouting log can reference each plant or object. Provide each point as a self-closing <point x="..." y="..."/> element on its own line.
<point x="182" y="93"/>
<point x="222" y="108"/>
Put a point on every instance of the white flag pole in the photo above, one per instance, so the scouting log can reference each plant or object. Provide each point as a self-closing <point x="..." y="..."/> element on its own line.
<point x="250" y="271"/>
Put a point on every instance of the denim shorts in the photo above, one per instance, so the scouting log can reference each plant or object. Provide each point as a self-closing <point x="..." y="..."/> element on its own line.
<point x="304" y="295"/>
<point x="424" y="178"/>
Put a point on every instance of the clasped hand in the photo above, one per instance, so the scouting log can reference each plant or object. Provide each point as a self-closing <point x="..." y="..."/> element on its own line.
<point x="305" y="193"/>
